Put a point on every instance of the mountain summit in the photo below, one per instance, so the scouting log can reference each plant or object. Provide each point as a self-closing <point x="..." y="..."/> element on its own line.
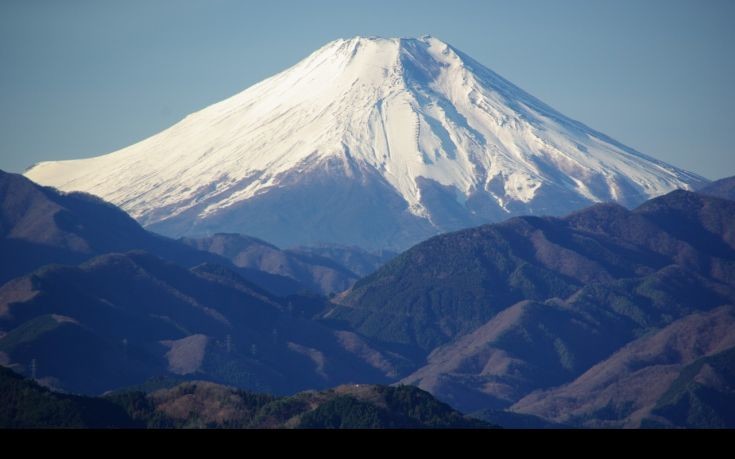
<point x="378" y="142"/>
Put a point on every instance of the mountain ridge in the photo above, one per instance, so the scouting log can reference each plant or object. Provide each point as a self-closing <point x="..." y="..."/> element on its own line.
<point x="316" y="273"/>
<point x="118" y="319"/>
<point x="202" y="404"/>
<point x="495" y="313"/>
<point x="41" y="225"/>
<point x="722" y="188"/>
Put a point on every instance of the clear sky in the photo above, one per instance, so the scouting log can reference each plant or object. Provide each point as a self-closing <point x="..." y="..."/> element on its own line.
<point x="82" y="78"/>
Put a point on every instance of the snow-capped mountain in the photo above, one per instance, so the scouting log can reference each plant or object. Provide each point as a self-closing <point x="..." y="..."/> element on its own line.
<point x="370" y="141"/>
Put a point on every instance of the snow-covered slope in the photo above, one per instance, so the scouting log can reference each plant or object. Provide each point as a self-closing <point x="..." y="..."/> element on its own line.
<point x="369" y="141"/>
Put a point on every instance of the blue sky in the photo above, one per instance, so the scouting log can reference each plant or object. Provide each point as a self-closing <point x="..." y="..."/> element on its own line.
<point x="82" y="78"/>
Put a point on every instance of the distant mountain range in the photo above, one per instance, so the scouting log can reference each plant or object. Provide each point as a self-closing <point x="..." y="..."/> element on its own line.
<point x="326" y="269"/>
<point x="40" y="225"/>
<point x="375" y="142"/>
<point x="723" y="188"/>
<point x="119" y="319"/>
<point x="607" y="317"/>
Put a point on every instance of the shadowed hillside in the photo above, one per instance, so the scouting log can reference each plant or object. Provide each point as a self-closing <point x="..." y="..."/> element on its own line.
<point x="197" y="404"/>
<point x="495" y="313"/>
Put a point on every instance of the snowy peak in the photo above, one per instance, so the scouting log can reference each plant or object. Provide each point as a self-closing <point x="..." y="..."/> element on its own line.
<point x="450" y="141"/>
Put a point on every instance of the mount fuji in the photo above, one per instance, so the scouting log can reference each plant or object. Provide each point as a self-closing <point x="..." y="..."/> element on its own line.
<point x="376" y="142"/>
